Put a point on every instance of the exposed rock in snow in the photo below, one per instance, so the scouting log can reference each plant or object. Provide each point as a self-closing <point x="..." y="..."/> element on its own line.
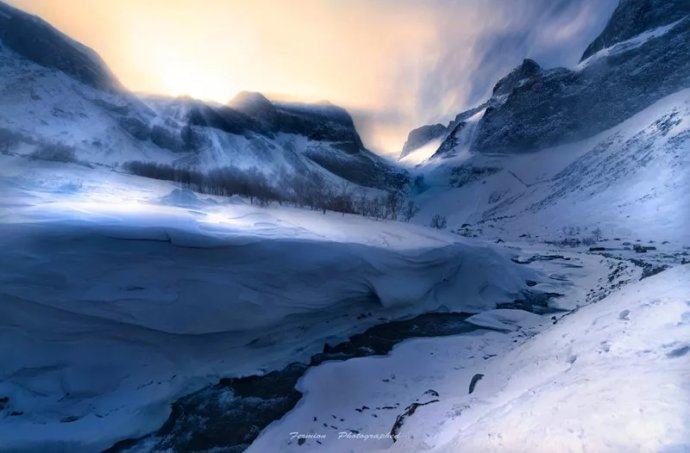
<point x="633" y="17"/>
<point x="461" y="136"/>
<point x="434" y="140"/>
<point x="517" y="77"/>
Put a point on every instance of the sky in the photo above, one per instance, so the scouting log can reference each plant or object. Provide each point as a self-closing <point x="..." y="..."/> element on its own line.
<point x="395" y="64"/>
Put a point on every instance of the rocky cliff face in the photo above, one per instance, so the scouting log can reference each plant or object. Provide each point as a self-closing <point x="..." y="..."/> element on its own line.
<point x="642" y="63"/>
<point x="322" y="121"/>
<point x="640" y="57"/>
<point x="528" y="68"/>
<point x="425" y="134"/>
<point x="421" y="136"/>
<point x="633" y="17"/>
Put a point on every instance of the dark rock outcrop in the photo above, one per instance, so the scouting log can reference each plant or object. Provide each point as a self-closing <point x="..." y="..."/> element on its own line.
<point x="528" y="68"/>
<point x="421" y="136"/>
<point x="324" y="121"/>
<point x="460" y="132"/>
<point x="424" y="134"/>
<point x="633" y="17"/>
<point x="533" y="108"/>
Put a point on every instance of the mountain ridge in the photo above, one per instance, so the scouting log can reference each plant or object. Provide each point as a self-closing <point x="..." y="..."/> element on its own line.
<point x="37" y="40"/>
<point x="644" y="60"/>
<point x="72" y="101"/>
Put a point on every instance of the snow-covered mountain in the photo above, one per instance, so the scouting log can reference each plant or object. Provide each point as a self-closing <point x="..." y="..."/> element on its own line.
<point x="640" y="57"/>
<point x="603" y="145"/>
<point x="628" y="181"/>
<point x="57" y="93"/>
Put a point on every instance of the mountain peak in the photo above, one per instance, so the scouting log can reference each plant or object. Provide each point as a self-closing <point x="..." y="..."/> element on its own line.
<point x="527" y="69"/>
<point x="632" y="17"/>
<point x="36" y="40"/>
<point x="250" y="100"/>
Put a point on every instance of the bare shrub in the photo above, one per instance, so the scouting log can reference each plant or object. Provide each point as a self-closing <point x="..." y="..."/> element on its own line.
<point x="410" y="210"/>
<point x="439" y="222"/>
<point x="302" y="190"/>
<point x="55" y="152"/>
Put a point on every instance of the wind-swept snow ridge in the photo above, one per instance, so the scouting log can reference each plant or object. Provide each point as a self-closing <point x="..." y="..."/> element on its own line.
<point x="120" y="293"/>
<point x="259" y="265"/>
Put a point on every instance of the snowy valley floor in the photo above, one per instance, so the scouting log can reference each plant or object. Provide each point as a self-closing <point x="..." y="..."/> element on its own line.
<point x="121" y="295"/>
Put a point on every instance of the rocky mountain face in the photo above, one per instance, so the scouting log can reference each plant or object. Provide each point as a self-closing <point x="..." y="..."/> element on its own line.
<point x="631" y="17"/>
<point x="529" y="68"/>
<point x="640" y="57"/>
<point x="425" y="134"/>
<point x="57" y="92"/>
<point x="317" y="121"/>
<point x="561" y="105"/>
<point x="421" y="136"/>
<point x="556" y="151"/>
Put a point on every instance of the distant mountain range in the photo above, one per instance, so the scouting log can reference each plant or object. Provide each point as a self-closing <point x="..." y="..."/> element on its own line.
<point x="57" y="92"/>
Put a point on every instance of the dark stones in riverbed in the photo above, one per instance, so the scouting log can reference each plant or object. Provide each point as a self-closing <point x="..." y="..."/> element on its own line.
<point x="229" y="415"/>
<point x="226" y="416"/>
<point x="380" y="339"/>
<point x="400" y="420"/>
<point x="533" y="258"/>
<point x="533" y="301"/>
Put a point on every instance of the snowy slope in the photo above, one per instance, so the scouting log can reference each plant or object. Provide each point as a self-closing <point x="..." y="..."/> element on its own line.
<point x="612" y="376"/>
<point x="624" y="362"/>
<point x="630" y="181"/>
